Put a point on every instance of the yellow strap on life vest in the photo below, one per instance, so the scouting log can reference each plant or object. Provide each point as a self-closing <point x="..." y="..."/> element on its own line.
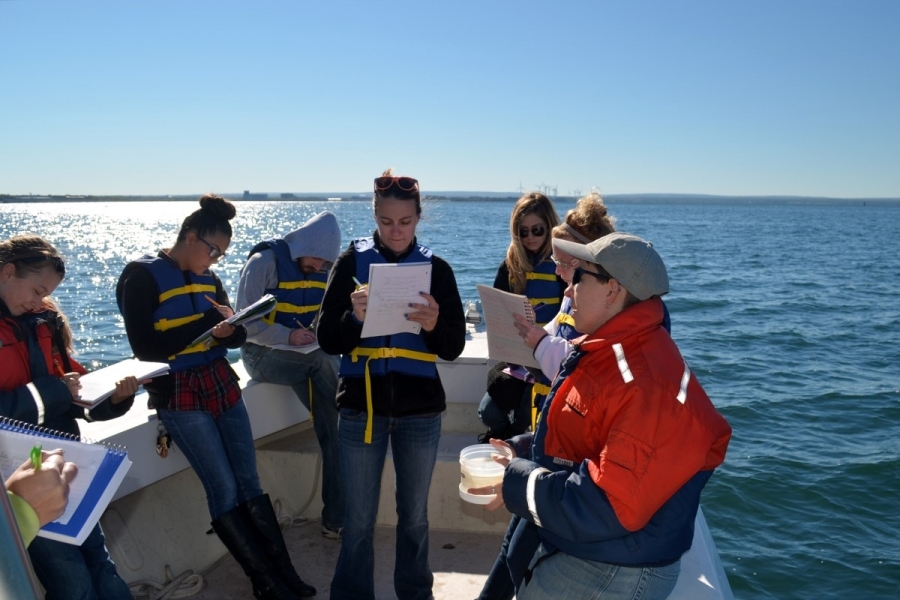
<point x="201" y="347"/>
<point x="294" y="285"/>
<point x="193" y="288"/>
<point x="376" y="353"/>
<point x="538" y="389"/>
<point x="564" y="319"/>
<point x="284" y="307"/>
<point x="167" y="324"/>
<point x="544" y="276"/>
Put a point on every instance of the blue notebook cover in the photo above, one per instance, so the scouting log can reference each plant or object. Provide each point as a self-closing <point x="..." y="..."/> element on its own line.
<point x="101" y="469"/>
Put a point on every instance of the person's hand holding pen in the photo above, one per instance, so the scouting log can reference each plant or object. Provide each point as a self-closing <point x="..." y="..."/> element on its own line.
<point x="360" y="300"/>
<point x="302" y="336"/>
<point x="72" y="380"/>
<point x="43" y="482"/>
<point x="223" y="329"/>
<point x="531" y="333"/>
<point x="225" y="311"/>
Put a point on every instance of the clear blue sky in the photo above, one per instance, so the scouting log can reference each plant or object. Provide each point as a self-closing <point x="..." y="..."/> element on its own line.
<point x="797" y="97"/>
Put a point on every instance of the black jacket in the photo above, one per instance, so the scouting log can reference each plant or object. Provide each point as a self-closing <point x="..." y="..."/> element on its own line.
<point x="338" y="332"/>
<point x="138" y="296"/>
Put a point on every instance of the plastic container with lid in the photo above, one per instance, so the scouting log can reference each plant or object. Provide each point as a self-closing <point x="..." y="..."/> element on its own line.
<point x="478" y="469"/>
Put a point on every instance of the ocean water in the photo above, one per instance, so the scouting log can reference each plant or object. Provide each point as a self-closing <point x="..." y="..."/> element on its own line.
<point x="787" y="313"/>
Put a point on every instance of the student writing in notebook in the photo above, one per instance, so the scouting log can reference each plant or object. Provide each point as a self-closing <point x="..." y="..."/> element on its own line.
<point x="295" y="270"/>
<point x="527" y="269"/>
<point x="389" y="393"/>
<point x="38" y="382"/>
<point x="40" y="495"/>
<point x="168" y="299"/>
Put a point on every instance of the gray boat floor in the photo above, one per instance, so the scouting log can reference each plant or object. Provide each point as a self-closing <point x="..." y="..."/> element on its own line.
<point x="459" y="560"/>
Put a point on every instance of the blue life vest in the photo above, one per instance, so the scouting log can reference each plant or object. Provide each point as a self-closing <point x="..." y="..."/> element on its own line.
<point x="299" y="295"/>
<point x="182" y="300"/>
<point x="541" y="285"/>
<point x="565" y="324"/>
<point x="399" y="353"/>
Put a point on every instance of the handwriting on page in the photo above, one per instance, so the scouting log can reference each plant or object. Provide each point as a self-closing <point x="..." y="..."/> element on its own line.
<point x="504" y="341"/>
<point x="392" y="287"/>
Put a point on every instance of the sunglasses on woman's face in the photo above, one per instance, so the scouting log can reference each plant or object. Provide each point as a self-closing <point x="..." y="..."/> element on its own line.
<point x="579" y="273"/>
<point x="536" y="231"/>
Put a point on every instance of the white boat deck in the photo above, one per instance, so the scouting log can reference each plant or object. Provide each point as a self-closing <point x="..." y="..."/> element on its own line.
<point x="157" y="525"/>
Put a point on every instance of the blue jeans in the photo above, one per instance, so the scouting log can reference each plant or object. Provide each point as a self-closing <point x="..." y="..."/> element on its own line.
<point x="511" y="565"/>
<point x="298" y="370"/>
<point x="70" y="572"/>
<point x="562" y="575"/>
<point x="414" y="444"/>
<point x="221" y="451"/>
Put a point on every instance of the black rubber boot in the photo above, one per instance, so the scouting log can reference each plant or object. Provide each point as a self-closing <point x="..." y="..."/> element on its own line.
<point x="263" y="516"/>
<point x="236" y="530"/>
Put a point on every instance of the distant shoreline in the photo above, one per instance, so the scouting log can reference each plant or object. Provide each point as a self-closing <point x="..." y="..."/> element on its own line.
<point x="455" y="197"/>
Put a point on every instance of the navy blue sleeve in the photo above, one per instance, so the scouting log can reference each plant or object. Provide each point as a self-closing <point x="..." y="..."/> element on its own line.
<point x="20" y="403"/>
<point x="568" y="505"/>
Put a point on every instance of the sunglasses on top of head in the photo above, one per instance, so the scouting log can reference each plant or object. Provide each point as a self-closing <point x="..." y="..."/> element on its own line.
<point x="214" y="251"/>
<point x="579" y="273"/>
<point x="536" y="231"/>
<point x="404" y="184"/>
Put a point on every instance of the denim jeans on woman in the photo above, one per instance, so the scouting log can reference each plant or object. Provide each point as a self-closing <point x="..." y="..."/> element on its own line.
<point x="299" y="370"/>
<point x="414" y="443"/>
<point x="561" y="575"/>
<point x="70" y="572"/>
<point x="221" y="452"/>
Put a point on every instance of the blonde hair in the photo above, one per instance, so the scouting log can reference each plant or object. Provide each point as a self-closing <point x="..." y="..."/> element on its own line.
<point x="517" y="261"/>
<point x="590" y="219"/>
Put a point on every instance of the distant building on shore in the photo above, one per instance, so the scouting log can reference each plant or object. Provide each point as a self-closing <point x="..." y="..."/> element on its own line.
<point x="248" y="196"/>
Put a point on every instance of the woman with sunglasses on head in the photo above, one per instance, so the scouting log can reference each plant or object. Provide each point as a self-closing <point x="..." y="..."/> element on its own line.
<point x="628" y="438"/>
<point x="167" y="301"/>
<point x="38" y="381"/>
<point x="529" y="270"/>
<point x="389" y="392"/>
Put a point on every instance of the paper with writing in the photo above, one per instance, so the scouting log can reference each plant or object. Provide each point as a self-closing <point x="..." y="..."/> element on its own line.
<point x="392" y="287"/>
<point x="504" y="341"/>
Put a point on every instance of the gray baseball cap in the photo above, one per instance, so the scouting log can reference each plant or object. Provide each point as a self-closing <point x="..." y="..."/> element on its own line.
<point x="631" y="260"/>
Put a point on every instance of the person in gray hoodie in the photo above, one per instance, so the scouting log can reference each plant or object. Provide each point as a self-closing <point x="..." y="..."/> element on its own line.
<point x="282" y="348"/>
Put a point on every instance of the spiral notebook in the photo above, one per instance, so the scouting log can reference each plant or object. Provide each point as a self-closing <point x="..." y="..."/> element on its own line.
<point x="101" y="469"/>
<point x="504" y="342"/>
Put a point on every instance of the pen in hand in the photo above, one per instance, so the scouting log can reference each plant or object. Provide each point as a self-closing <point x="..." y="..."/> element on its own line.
<point x="302" y="326"/>
<point x="36" y="457"/>
<point x="212" y="301"/>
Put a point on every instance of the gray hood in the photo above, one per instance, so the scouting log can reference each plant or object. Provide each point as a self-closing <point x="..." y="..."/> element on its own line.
<point x="320" y="237"/>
